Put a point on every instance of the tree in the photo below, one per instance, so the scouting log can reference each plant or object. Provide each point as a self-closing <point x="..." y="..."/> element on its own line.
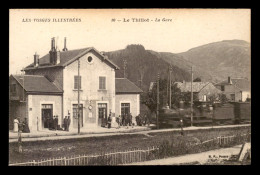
<point x="178" y="96"/>
<point x="223" y="98"/>
<point x="150" y="99"/>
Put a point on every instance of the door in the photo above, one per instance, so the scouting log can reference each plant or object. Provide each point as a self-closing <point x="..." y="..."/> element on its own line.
<point x="47" y="112"/>
<point x="75" y="115"/>
<point x="102" y="114"/>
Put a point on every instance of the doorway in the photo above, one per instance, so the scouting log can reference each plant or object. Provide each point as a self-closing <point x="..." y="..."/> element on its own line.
<point x="47" y="112"/>
<point x="102" y="114"/>
<point x="75" y="115"/>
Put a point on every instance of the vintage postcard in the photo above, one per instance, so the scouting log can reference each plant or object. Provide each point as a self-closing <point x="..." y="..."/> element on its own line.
<point x="124" y="87"/>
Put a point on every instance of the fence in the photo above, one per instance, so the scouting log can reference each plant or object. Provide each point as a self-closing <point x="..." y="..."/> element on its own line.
<point x="136" y="155"/>
<point x="225" y="140"/>
<point x="126" y="157"/>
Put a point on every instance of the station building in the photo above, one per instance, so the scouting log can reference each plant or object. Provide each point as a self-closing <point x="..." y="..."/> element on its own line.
<point x="50" y="87"/>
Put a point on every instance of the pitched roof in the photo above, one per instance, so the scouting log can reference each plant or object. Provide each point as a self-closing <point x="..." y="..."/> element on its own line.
<point x="241" y="83"/>
<point x="67" y="57"/>
<point x="124" y="85"/>
<point x="37" y="84"/>
<point x="196" y="86"/>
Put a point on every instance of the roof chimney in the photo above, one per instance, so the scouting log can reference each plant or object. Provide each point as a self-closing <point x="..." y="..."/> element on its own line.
<point x="229" y="80"/>
<point x="53" y="52"/>
<point x="36" y="59"/>
<point x="65" y="47"/>
<point x="57" y="56"/>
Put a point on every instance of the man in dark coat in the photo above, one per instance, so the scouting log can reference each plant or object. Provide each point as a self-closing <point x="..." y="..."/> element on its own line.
<point x="68" y="123"/>
<point x="137" y="120"/>
<point x="109" y="119"/>
<point x="130" y="120"/>
<point x="123" y="120"/>
<point x="65" y="123"/>
<point x="127" y="120"/>
<point x="56" y="122"/>
<point x="25" y="126"/>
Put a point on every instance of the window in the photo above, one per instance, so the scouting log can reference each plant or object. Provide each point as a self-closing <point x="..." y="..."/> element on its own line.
<point x="222" y="88"/>
<point x="75" y="110"/>
<point x="46" y="106"/>
<point x="204" y="97"/>
<point x="232" y="97"/>
<point x="90" y="59"/>
<point x="125" y="108"/>
<point x="13" y="89"/>
<point x="76" y="82"/>
<point x="102" y="82"/>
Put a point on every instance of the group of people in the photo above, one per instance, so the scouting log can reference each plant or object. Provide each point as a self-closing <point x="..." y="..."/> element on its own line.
<point x="21" y="126"/>
<point x="142" y="120"/>
<point x="66" y="123"/>
<point x="51" y="122"/>
<point x="125" y="120"/>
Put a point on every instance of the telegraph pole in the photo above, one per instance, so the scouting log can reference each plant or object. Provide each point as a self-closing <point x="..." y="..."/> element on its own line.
<point x="191" y="101"/>
<point x="170" y="96"/>
<point x="157" y="114"/>
<point x="78" y="98"/>
<point x="125" y="62"/>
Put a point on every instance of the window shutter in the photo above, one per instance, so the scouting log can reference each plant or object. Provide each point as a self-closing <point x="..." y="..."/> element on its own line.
<point x="76" y="82"/>
<point x="102" y="82"/>
<point x="79" y="82"/>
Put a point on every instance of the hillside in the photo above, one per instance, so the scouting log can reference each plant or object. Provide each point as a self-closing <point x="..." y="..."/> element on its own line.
<point x="143" y="62"/>
<point x="182" y="63"/>
<point x="221" y="59"/>
<point x="211" y="62"/>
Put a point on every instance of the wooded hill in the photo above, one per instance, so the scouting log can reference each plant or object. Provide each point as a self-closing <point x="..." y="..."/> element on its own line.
<point x="141" y="62"/>
<point x="212" y="62"/>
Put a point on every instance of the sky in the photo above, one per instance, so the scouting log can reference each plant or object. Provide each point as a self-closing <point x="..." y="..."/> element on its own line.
<point x="182" y="29"/>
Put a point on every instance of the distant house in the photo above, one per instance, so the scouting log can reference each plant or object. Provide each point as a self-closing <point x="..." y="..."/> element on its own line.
<point x="50" y="87"/>
<point x="203" y="90"/>
<point x="235" y="89"/>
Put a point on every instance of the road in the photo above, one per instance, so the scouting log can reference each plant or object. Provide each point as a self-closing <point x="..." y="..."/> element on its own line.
<point x="60" y="135"/>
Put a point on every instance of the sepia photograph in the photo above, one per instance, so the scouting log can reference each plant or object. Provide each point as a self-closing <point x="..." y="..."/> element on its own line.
<point x="129" y="87"/>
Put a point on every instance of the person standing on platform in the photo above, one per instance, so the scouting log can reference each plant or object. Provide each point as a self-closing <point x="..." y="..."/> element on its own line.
<point x="68" y="123"/>
<point x="65" y="121"/>
<point x="109" y="121"/>
<point x="56" y="122"/>
<point x="16" y="123"/>
<point x="181" y="124"/>
<point x="131" y="120"/>
<point x="118" y="121"/>
<point x="123" y="120"/>
<point x="20" y="130"/>
<point x="127" y="120"/>
<point x="25" y="126"/>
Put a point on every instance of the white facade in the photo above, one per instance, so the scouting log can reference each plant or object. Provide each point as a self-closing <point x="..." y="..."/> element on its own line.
<point x="97" y="94"/>
<point x="35" y="103"/>
<point x="90" y="94"/>
<point x="132" y="99"/>
<point x="245" y="95"/>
